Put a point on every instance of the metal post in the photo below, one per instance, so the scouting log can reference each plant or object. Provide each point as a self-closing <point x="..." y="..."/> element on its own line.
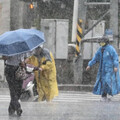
<point x="78" y="66"/>
<point x="75" y="17"/>
<point x="100" y="19"/>
<point x="114" y="21"/>
<point x="97" y="3"/>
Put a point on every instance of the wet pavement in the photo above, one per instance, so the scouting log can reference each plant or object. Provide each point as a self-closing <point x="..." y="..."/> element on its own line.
<point x="67" y="106"/>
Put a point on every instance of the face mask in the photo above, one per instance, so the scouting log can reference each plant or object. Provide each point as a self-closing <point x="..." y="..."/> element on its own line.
<point x="102" y="44"/>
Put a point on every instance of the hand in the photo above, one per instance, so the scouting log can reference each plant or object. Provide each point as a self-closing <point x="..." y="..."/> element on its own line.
<point x="22" y="64"/>
<point x="87" y="68"/>
<point x="115" y="69"/>
<point x="26" y="60"/>
<point x="40" y="69"/>
<point x="4" y="57"/>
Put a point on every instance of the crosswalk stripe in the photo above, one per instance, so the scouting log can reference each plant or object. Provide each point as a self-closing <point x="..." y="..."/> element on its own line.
<point x="70" y="97"/>
<point x="80" y="97"/>
<point x="75" y="98"/>
<point x="4" y="98"/>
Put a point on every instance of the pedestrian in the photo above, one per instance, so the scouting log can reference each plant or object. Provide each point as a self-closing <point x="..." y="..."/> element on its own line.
<point x="107" y="81"/>
<point x="46" y="77"/>
<point x="15" y="86"/>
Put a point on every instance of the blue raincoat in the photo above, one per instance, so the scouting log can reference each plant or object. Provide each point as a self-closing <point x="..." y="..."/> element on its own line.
<point x="107" y="80"/>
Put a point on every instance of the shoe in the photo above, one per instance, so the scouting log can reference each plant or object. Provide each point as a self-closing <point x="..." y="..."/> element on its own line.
<point x="11" y="112"/>
<point x="108" y="99"/>
<point x="103" y="99"/>
<point x="35" y="99"/>
<point x="19" y="112"/>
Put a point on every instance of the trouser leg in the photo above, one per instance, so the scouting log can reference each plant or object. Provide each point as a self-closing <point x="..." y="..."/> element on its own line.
<point x="15" y="90"/>
<point x="104" y="94"/>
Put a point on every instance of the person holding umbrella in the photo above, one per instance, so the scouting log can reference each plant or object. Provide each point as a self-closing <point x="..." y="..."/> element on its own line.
<point x="15" y="86"/>
<point x="107" y="81"/>
<point x="13" y="46"/>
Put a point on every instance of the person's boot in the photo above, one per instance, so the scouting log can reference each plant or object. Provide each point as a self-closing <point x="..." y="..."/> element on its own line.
<point x="19" y="112"/>
<point x="104" y="97"/>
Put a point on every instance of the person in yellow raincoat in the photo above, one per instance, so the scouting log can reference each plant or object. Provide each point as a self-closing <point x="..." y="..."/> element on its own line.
<point x="46" y="78"/>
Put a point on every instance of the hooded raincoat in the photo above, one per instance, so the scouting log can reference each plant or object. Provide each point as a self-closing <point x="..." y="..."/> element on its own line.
<point x="46" y="79"/>
<point x="107" y="80"/>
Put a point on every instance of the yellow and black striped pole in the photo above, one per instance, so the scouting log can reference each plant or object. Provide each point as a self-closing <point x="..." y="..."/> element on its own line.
<point x="79" y="37"/>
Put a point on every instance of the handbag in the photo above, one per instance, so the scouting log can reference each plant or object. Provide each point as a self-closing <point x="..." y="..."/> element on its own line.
<point x="20" y="74"/>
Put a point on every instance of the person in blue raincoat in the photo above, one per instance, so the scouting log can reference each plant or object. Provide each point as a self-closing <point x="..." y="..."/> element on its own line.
<point x="107" y="81"/>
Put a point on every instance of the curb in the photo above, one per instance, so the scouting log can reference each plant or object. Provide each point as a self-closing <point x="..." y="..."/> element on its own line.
<point x="61" y="87"/>
<point x="75" y="87"/>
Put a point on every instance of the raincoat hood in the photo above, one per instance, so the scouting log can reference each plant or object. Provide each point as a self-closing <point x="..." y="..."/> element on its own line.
<point x="46" y="53"/>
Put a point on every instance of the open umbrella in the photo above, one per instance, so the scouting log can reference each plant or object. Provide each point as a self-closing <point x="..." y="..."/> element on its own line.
<point x="20" y="41"/>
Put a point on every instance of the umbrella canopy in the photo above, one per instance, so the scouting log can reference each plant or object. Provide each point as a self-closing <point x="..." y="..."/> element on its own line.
<point x="20" y="41"/>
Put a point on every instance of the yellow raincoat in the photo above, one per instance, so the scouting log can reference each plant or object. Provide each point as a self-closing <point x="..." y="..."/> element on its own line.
<point x="46" y="79"/>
